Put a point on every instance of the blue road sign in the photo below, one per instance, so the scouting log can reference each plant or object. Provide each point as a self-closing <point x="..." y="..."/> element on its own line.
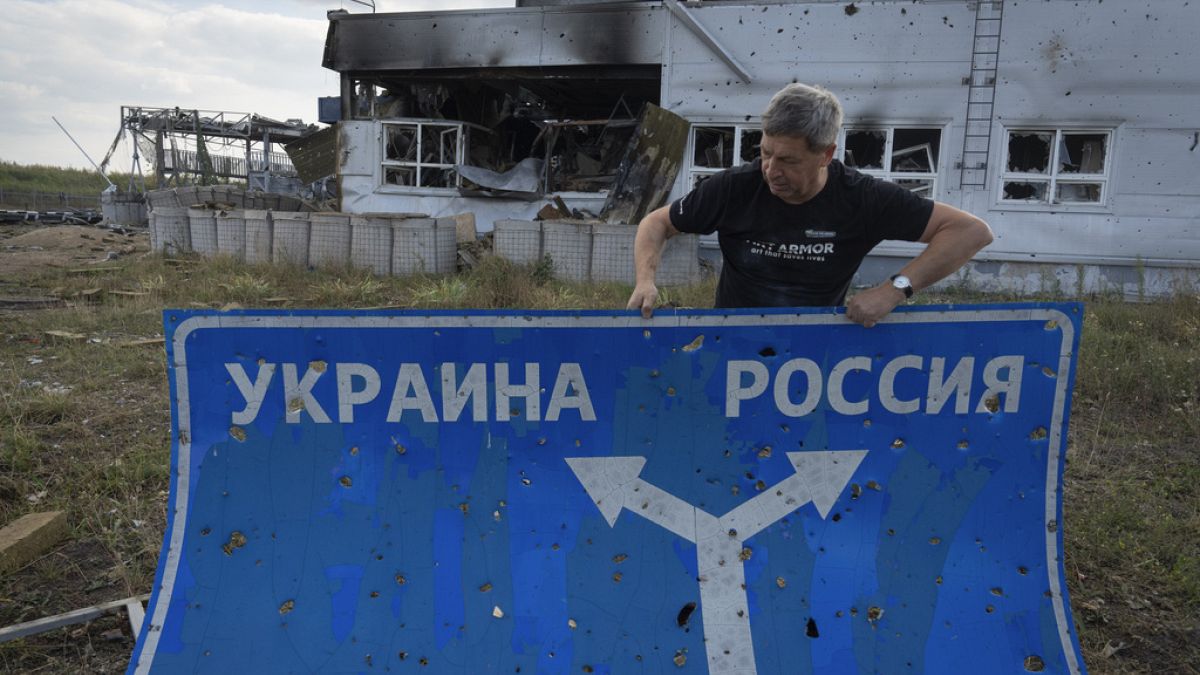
<point x="729" y="493"/>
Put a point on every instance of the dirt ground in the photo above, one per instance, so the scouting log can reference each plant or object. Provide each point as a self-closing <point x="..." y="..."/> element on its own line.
<point x="24" y="252"/>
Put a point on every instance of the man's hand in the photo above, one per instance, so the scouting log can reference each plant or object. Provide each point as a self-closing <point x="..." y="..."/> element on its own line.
<point x="869" y="306"/>
<point x="644" y="297"/>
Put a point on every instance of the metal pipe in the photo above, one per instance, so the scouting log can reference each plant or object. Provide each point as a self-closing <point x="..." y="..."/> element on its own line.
<point x="708" y="39"/>
<point x="98" y="169"/>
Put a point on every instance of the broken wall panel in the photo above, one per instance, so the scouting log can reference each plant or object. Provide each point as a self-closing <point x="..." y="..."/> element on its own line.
<point x="315" y="155"/>
<point x="648" y="170"/>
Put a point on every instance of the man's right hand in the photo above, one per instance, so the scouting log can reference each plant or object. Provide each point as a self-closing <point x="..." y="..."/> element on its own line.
<point x="644" y="297"/>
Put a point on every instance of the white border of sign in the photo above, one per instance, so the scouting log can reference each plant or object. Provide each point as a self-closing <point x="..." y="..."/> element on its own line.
<point x="158" y="612"/>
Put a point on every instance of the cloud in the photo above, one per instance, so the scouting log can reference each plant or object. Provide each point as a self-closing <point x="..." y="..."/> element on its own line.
<point x="81" y="60"/>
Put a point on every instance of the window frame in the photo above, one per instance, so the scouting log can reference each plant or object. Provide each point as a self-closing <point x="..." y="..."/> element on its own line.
<point x="742" y="126"/>
<point x="463" y="130"/>
<point x="1052" y="177"/>
<point x="739" y="130"/>
<point x="888" y="147"/>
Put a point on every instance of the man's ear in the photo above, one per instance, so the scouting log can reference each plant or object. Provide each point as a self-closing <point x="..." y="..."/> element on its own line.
<point x="827" y="156"/>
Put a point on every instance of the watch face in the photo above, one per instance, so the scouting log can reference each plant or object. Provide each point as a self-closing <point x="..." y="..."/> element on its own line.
<point x="901" y="281"/>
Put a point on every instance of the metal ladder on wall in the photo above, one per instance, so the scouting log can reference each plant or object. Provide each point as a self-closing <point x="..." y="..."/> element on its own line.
<point x="981" y="94"/>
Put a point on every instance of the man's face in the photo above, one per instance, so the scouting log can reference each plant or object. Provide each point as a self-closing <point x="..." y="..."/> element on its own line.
<point x="793" y="171"/>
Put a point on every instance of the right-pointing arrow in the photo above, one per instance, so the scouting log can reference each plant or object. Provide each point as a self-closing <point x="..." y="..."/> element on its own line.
<point x="826" y="474"/>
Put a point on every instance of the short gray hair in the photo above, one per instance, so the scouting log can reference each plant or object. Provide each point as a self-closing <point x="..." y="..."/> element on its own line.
<point x="804" y="111"/>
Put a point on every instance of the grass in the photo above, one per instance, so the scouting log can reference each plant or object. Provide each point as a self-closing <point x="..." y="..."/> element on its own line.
<point x="84" y="426"/>
<point x="39" y="178"/>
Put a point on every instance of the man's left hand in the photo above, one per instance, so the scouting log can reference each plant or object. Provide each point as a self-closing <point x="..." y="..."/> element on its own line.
<point x="869" y="306"/>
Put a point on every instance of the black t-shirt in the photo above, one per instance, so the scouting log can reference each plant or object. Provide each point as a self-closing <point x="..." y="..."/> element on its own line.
<point x="787" y="255"/>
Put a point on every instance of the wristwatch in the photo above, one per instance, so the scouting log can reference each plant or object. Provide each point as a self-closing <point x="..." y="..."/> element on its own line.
<point x="902" y="282"/>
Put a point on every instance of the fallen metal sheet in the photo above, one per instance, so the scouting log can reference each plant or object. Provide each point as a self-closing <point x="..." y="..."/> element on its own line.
<point x="524" y="177"/>
<point x="315" y="155"/>
<point x="768" y="491"/>
<point x="648" y="169"/>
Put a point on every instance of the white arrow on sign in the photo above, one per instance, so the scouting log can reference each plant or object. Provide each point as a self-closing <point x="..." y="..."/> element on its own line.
<point x="613" y="484"/>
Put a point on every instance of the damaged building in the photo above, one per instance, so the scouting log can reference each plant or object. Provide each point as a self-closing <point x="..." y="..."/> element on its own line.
<point x="1068" y="125"/>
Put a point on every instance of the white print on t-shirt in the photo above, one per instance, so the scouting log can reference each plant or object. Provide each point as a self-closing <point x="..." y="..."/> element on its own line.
<point x="681" y="201"/>
<point x="812" y="252"/>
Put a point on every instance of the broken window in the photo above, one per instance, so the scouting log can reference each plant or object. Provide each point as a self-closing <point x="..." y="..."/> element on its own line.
<point x="864" y="148"/>
<point x="750" y="145"/>
<point x="567" y="125"/>
<point x="716" y="148"/>
<point x="907" y="156"/>
<point x="583" y="155"/>
<point x="423" y="154"/>
<point x="1055" y="166"/>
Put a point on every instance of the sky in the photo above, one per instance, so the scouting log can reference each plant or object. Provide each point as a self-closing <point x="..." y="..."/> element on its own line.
<point x="80" y="60"/>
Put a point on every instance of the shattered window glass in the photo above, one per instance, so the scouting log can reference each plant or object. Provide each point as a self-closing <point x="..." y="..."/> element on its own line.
<point x="921" y="187"/>
<point x="751" y="142"/>
<point x="401" y="143"/>
<point x="716" y="148"/>
<point x="1079" y="193"/>
<point x="402" y="175"/>
<point x="915" y="150"/>
<point x="1029" y="151"/>
<point x="907" y="156"/>
<point x="1056" y="166"/>
<point x="1081" y="153"/>
<point x="1029" y="191"/>
<point x="439" y="144"/>
<point x="865" y="148"/>
<point x="713" y="147"/>
<point x="432" y="177"/>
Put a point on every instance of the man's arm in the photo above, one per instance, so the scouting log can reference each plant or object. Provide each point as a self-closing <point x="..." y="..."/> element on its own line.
<point x="652" y="234"/>
<point x="952" y="237"/>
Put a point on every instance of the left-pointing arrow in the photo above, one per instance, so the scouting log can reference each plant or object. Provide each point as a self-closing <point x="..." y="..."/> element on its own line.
<point x="613" y="483"/>
<point x="606" y="479"/>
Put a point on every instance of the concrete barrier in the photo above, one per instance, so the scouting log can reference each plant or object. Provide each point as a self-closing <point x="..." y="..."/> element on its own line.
<point x="170" y="230"/>
<point x="612" y="252"/>
<point x="124" y="208"/>
<point x="680" y="262"/>
<point x="569" y="247"/>
<point x="584" y="251"/>
<point x="231" y="233"/>
<point x="329" y="239"/>
<point x="258" y="235"/>
<point x="518" y="240"/>
<point x="202" y="223"/>
<point x="371" y="243"/>
<point x="414" y="247"/>
<point x="445" y="235"/>
<point x="289" y="238"/>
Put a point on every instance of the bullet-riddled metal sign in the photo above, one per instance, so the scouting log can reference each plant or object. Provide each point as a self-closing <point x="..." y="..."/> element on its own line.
<point x="578" y="492"/>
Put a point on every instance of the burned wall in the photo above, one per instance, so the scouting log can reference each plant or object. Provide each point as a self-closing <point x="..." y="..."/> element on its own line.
<point x="541" y="37"/>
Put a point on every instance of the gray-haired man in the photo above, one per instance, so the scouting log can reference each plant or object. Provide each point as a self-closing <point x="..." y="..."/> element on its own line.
<point x="795" y="224"/>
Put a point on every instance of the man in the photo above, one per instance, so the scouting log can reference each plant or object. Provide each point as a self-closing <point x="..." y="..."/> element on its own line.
<point x="795" y="225"/>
